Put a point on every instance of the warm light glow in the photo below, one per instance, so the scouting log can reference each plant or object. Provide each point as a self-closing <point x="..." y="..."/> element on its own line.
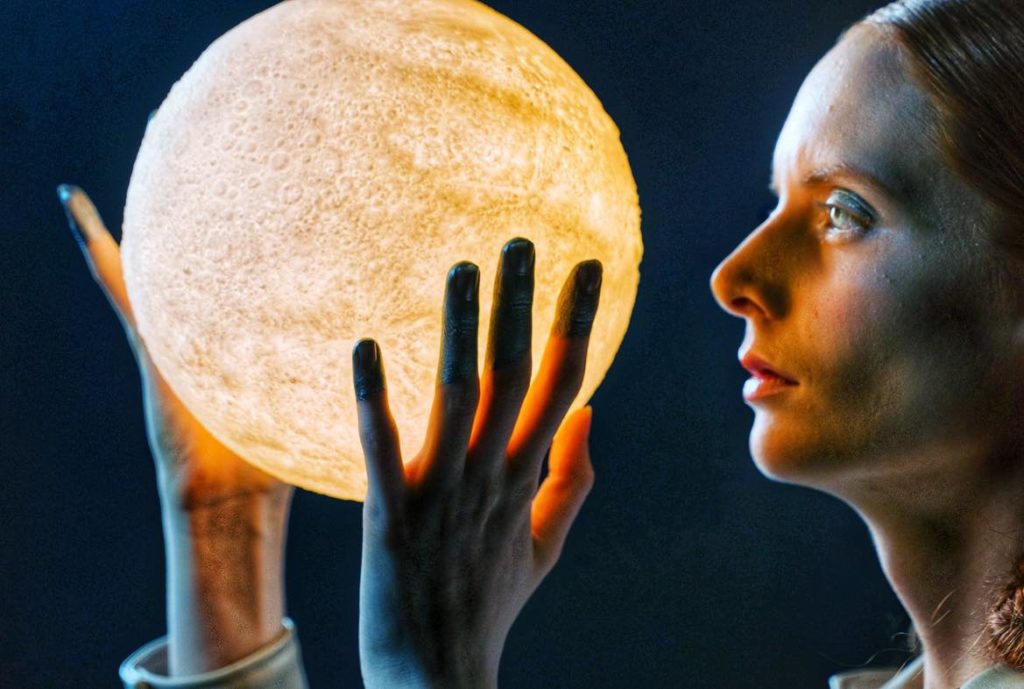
<point x="310" y="180"/>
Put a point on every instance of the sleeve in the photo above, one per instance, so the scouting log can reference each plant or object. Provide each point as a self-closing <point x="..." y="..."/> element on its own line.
<point x="278" y="665"/>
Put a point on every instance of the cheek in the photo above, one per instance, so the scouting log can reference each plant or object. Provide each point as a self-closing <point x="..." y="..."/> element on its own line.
<point x="890" y="366"/>
<point x="834" y="344"/>
<point x="847" y="380"/>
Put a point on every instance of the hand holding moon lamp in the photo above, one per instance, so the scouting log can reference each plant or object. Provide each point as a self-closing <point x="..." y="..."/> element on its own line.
<point x="309" y="181"/>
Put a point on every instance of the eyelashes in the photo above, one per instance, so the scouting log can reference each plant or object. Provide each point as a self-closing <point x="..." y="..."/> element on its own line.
<point x="842" y="219"/>
<point x="845" y="215"/>
<point x="848" y="214"/>
<point x="854" y="204"/>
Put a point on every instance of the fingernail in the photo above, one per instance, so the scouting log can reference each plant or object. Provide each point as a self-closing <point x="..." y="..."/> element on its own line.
<point x="467" y="279"/>
<point x="64" y="193"/>
<point x="577" y="304"/>
<point x="589" y="276"/>
<point x="366" y="353"/>
<point x="368" y="375"/>
<point x="520" y="255"/>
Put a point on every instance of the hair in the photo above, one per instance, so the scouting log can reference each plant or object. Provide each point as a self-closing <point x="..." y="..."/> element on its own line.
<point x="968" y="56"/>
<point x="1006" y="621"/>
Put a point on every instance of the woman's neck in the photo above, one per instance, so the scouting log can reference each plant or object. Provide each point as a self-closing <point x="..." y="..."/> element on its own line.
<point x="946" y="575"/>
<point x="948" y="547"/>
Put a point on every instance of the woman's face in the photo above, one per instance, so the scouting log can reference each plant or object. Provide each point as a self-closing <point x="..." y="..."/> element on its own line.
<point x="873" y="288"/>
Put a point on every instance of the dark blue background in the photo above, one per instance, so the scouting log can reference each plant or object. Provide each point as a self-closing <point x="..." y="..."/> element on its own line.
<point x="686" y="567"/>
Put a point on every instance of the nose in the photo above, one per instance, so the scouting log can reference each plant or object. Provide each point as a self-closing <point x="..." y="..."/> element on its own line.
<point x="749" y="282"/>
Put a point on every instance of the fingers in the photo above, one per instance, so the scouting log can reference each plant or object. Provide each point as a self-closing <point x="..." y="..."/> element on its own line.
<point x="101" y="251"/>
<point x="458" y="384"/>
<point x="508" y="364"/>
<point x="569" y="480"/>
<point x="561" y="372"/>
<point x="378" y="433"/>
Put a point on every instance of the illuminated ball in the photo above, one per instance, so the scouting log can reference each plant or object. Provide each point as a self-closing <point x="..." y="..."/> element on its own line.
<point x="309" y="182"/>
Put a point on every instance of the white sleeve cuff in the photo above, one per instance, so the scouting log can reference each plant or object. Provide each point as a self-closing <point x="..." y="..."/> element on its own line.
<point x="278" y="665"/>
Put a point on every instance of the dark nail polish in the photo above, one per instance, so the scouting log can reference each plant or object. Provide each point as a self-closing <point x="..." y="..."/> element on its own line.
<point x="467" y="279"/>
<point x="366" y="351"/>
<point x="577" y="304"/>
<point x="589" y="276"/>
<point x="520" y="255"/>
<point x="368" y="374"/>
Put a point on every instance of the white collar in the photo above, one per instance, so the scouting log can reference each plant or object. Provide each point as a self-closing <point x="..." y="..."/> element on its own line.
<point x="910" y="676"/>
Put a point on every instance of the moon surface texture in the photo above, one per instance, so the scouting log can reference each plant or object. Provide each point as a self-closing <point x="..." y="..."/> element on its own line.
<point x="310" y="180"/>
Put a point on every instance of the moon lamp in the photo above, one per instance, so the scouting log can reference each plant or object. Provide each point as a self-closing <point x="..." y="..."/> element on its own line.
<point x="310" y="180"/>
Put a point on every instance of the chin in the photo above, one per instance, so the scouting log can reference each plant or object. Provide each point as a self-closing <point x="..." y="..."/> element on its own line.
<point x="790" y="456"/>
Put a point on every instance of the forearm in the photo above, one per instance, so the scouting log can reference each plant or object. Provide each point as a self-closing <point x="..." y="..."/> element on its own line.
<point x="225" y="592"/>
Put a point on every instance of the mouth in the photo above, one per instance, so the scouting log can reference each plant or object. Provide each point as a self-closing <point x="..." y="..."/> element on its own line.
<point x="766" y="380"/>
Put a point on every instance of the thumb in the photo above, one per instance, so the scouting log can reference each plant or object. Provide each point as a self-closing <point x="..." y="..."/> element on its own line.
<point x="102" y="254"/>
<point x="101" y="251"/>
<point x="569" y="480"/>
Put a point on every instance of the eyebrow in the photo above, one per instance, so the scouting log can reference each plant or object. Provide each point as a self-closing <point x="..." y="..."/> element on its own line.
<point x="838" y="170"/>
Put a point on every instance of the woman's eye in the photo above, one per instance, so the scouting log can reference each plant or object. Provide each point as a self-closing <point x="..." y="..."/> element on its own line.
<point x="845" y="219"/>
<point x="842" y="219"/>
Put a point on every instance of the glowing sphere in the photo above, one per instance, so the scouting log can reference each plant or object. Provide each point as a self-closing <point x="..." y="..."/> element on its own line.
<point x="310" y="180"/>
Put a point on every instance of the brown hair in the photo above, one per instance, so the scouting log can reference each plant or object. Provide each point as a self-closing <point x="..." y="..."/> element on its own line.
<point x="1006" y="621"/>
<point x="968" y="55"/>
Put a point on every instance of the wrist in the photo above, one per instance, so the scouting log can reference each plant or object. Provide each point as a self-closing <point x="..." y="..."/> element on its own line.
<point x="402" y="680"/>
<point x="397" y="673"/>
<point x="225" y="593"/>
<point x="257" y="516"/>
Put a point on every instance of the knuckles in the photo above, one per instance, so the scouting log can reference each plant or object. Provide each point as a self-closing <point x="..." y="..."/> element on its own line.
<point x="461" y="397"/>
<point x="383" y="527"/>
<point x="461" y="323"/>
<point x="517" y="308"/>
<point x="376" y="440"/>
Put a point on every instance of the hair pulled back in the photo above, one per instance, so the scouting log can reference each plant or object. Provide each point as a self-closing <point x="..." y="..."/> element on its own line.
<point x="968" y="56"/>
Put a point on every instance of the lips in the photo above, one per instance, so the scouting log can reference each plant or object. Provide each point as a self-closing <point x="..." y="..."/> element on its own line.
<point x="763" y="370"/>
<point x="766" y="381"/>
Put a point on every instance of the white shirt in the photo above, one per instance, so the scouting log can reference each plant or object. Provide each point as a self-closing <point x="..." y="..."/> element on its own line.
<point x="910" y="677"/>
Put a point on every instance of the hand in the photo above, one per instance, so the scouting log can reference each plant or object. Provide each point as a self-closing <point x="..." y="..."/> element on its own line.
<point x="224" y="520"/>
<point x="194" y="468"/>
<point x="456" y="540"/>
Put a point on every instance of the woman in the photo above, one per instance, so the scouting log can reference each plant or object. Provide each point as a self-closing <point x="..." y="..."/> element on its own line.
<point x="884" y="309"/>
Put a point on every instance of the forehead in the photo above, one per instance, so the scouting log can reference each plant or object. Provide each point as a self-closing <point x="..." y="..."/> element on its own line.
<point x="859" y="108"/>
